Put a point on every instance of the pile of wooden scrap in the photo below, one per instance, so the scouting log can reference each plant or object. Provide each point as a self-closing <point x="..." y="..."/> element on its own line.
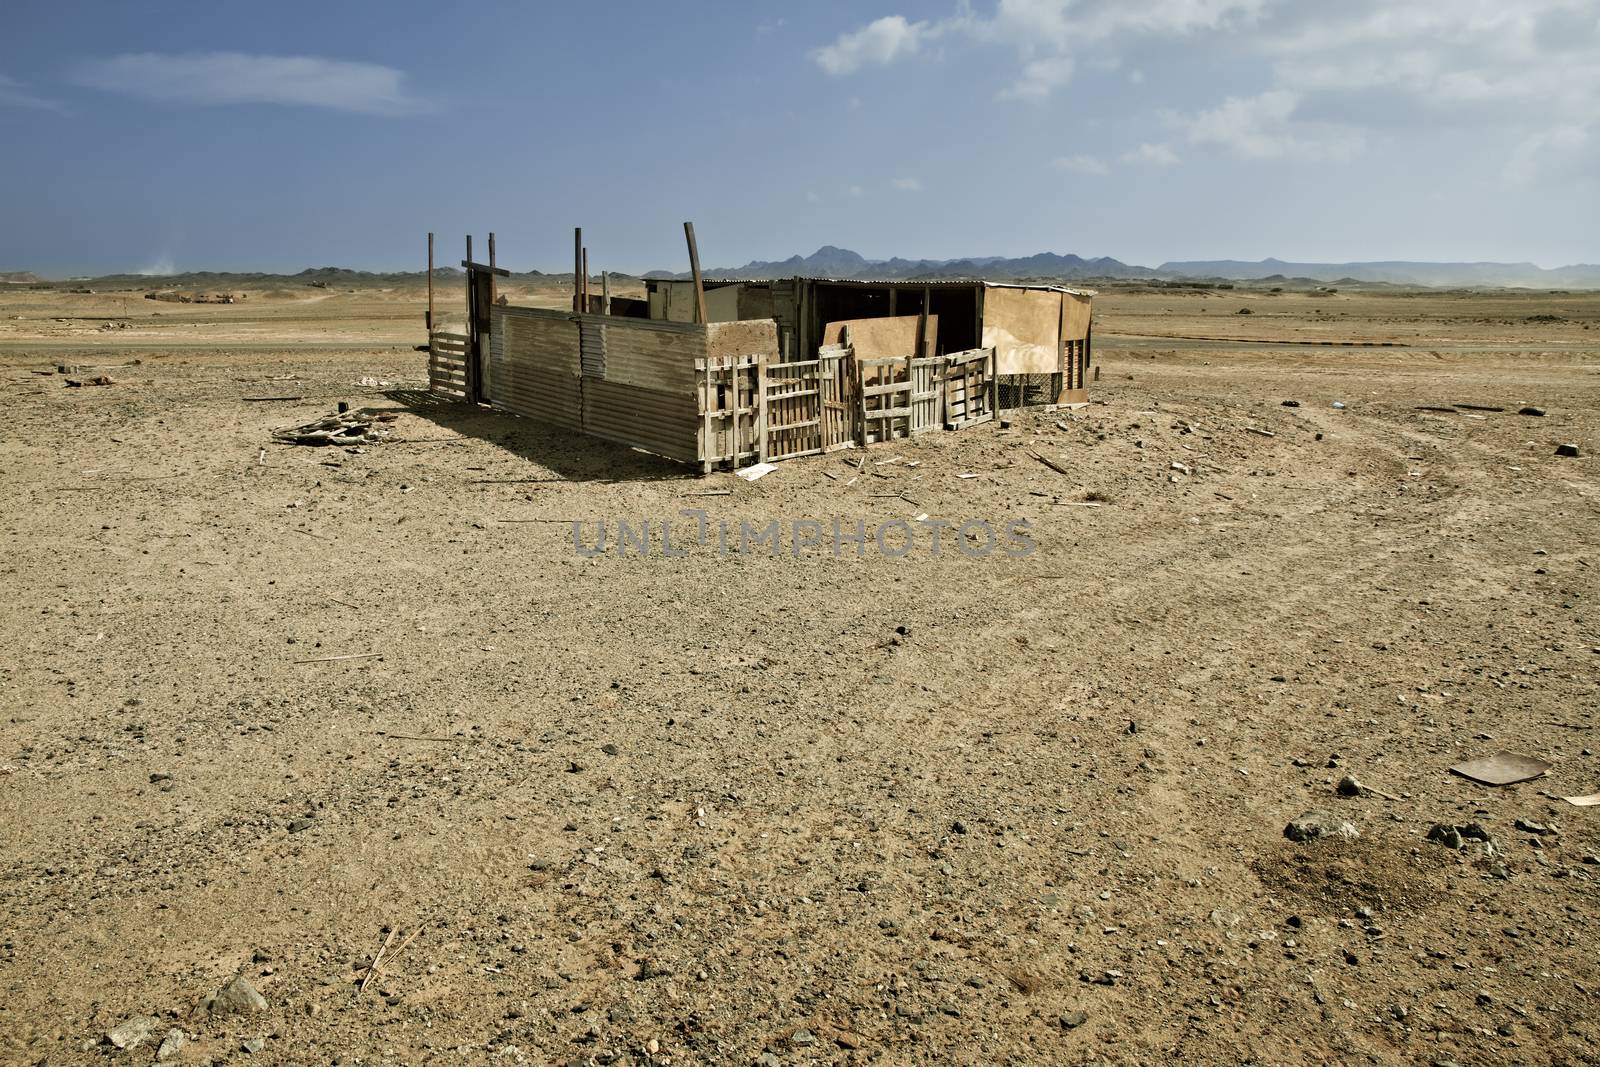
<point x="361" y="427"/>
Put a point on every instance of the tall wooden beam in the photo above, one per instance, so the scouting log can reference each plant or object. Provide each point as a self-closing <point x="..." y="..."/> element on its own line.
<point x="694" y="269"/>
<point x="471" y="361"/>
<point x="586" y="281"/>
<point x="429" y="318"/>
<point x="922" y="324"/>
<point x="605" y="292"/>
<point x="577" y="268"/>
<point x="492" y="286"/>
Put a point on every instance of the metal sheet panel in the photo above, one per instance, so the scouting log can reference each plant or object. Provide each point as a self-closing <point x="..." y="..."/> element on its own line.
<point x="656" y="421"/>
<point x="533" y="365"/>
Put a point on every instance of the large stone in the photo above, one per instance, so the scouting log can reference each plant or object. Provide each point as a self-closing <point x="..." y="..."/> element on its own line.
<point x="235" y="998"/>
<point x="1317" y="824"/>
<point x="171" y="1045"/>
<point x="130" y="1033"/>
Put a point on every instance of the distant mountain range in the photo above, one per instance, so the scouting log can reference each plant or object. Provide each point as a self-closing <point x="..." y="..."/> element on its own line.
<point x="1578" y="276"/>
<point x="830" y="261"/>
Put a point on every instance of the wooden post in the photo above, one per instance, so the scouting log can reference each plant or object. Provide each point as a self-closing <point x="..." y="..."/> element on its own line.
<point x="605" y="292"/>
<point x="694" y="269"/>
<point x="586" y="281"/>
<point x="493" y="285"/>
<point x="761" y="410"/>
<point x="470" y="363"/>
<point x="577" y="268"/>
<point x="429" y="319"/>
<point x="922" y="324"/>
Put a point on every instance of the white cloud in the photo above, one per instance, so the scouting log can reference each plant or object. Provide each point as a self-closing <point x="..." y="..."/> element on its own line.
<point x="813" y="198"/>
<point x="1044" y="34"/>
<point x="1309" y="81"/>
<point x="1262" y="127"/>
<point x="908" y="185"/>
<point x="242" y="78"/>
<point x="881" y="41"/>
<point x="1547" y="150"/>
<point x="1151" y="155"/>
<point x="14" y="94"/>
<point x="1040" y="78"/>
<point x="1082" y="164"/>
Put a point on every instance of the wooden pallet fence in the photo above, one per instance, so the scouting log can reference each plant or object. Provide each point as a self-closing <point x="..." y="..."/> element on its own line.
<point x="806" y="413"/>
<point x="927" y="398"/>
<point x="884" y="390"/>
<point x="731" y="399"/>
<point x="836" y="387"/>
<point x="447" y="364"/>
<point x="970" y="388"/>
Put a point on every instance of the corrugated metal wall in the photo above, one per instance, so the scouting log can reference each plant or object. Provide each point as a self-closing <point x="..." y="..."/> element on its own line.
<point x="631" y="381"/>
<point x="533" y="365"/>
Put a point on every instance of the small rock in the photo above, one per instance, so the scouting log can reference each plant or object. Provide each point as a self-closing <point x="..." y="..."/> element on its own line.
<point x="1569" y="450"/>
<point x="131" y="1033"/>
<point x="1291" y="403"/>
<point x="1074" y="1019"/>
<point x="1317" y="824"/>
<point x="171" y="1045"/>
<point x="1448" y="836"/>
<point x="253" y="1045"/>
<point x="237" y="997"/>
<point x="610" y="749"/>
<point x="303" y="823"/>
<point x="1349" y="787"/>
<point x="803" y="1037"/>
<point x="1531" y="410"/>
<point x="1529" y="827"/>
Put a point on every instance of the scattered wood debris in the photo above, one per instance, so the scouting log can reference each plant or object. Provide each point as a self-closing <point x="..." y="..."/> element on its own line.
<point x="361" y="427"/>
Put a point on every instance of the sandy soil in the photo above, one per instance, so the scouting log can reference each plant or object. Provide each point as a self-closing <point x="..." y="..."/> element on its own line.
<point x="803" y="809"/>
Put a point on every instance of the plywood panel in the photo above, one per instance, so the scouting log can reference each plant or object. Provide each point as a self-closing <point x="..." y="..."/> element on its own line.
<point x="1075" y="312"/>
<point x="749" y="338"/>
<point x="883" y="338"/>
<point x="673" y="301"/>
<point x="1023" y="326"/>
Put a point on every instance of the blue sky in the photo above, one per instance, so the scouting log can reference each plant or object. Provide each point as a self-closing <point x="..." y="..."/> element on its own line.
<point x="227" y="136"/>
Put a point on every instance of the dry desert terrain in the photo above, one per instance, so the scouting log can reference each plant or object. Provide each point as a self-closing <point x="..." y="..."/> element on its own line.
<point x="800" y="808"/>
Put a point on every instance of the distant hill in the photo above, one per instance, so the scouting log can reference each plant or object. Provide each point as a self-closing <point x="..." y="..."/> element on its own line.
<point x="830" y="261"/>
<point x="1579" y="276"/>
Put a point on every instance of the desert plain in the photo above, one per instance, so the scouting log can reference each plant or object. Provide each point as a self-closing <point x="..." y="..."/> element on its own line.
<point x="271" y="711"/>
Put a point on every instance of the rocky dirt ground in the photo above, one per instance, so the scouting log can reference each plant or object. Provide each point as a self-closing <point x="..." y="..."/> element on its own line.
<point x="780" y="809"/>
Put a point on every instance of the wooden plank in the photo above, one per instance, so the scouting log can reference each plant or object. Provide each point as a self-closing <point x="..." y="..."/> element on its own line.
<point x="761" y="418"/>
<point x="469" y="265"/>
<point x="429" y="318"/>
<point x="694" y="271"/>
<point x="704" y="370"/>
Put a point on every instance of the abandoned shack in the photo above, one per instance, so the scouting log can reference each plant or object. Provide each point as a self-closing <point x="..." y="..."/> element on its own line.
<point x="729" y="373"/>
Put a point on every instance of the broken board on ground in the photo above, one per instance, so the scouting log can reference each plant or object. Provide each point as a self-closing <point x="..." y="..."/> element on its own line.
<point x="1502" y="768"/>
